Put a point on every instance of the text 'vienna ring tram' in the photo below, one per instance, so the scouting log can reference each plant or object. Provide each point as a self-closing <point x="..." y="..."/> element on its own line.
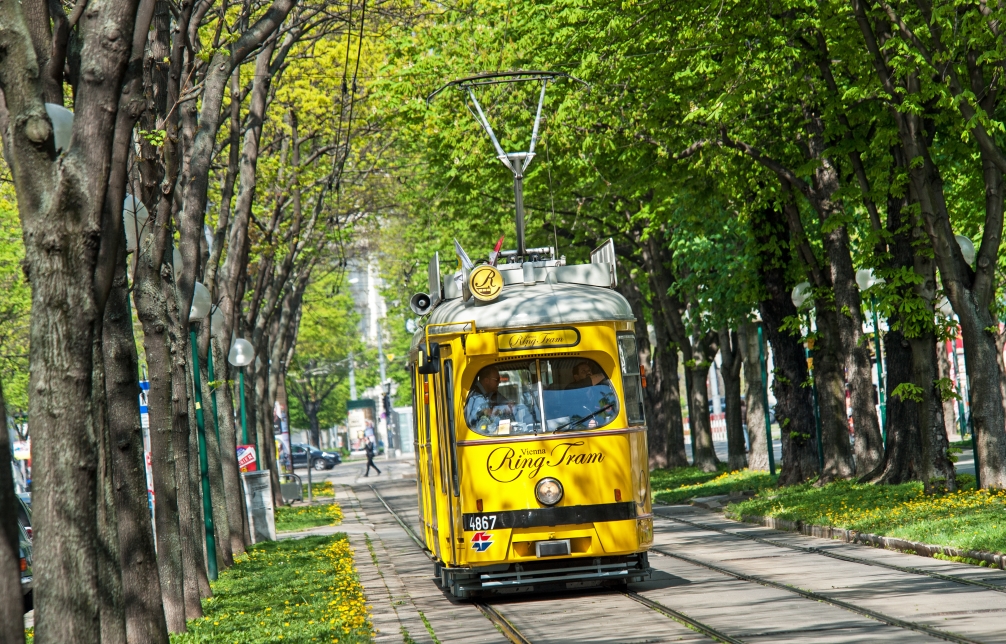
<point x="531" y="454"/>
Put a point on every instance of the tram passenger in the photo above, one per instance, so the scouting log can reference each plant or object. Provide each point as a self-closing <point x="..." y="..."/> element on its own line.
<point x="584" y="376"/>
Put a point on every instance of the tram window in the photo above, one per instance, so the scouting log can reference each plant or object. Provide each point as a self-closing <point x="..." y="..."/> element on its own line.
<point x="504" y="400"/>
<point x="507" y="398"/>
<point x="631" y="378"/>
<point x="577" y="394"/>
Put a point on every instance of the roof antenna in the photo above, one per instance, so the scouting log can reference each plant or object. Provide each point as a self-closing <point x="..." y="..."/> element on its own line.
<point x="516" y="162"/>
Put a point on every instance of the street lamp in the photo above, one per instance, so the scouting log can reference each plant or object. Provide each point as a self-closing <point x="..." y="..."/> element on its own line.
<point x="241" y="355"/>
<point x="801" y="294"/>
<point x="62" y="125"/>
<point x="198" y="312"/>
<point x="865" y="279"/>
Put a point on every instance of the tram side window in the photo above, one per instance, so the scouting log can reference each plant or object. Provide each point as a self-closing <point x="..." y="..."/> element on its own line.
<point x="504" y="400"/>
<point x="577" y="394"/>
<point x="631" y="378"/>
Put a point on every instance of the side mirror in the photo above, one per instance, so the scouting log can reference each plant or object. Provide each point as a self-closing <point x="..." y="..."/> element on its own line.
<point x="429" y="364"/>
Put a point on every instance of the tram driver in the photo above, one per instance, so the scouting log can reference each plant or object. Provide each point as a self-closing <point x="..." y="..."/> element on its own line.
<point x="490" y="412"/>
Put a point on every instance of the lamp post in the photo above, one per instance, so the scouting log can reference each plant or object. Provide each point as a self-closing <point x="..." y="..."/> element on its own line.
<point x="200" y="309"/>
<point x="866" y="280"/>
<point x="801" y="293"/>
<point x="763" y="363"/>
<point x="241" y="355"/>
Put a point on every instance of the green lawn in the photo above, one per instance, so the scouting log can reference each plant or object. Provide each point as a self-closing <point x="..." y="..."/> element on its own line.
<point x="969" y="519"/>
<point x="302" y="517"/>
<point x="298" y="590"/>
<point x="686" y="483"/>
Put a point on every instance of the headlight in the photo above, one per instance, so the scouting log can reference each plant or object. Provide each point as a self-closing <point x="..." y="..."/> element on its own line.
<point x="548" y="491"/>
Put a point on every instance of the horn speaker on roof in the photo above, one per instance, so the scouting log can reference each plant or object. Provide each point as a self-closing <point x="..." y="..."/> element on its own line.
<point x="420" y="303"/>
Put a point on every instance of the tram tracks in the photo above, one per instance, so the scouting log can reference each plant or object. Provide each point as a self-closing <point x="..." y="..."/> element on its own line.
<point x="513" y="634"/>
<point x="819" y="597"/>
<point x="834" y="555"/>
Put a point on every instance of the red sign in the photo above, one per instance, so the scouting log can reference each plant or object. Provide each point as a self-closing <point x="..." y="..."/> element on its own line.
<point x="246" y="458"/>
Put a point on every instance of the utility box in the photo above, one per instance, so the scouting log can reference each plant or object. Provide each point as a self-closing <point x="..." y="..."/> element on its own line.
<point x="258" y="504"/>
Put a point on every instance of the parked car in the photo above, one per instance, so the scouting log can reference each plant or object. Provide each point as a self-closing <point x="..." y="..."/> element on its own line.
<point x="24" y="549"/>
<point x="318" y="459"/>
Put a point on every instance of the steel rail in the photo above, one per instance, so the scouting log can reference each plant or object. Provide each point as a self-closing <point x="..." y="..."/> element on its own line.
<point x="835" y="555"/>
<point x="508" y="630"/>
<point x="678" y="616"/>
<point x="808" y="594"/>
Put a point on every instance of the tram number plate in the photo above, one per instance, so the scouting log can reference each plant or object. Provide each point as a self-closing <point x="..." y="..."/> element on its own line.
<point x="481" y="522"/>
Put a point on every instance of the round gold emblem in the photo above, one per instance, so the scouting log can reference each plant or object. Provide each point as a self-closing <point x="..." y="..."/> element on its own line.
<point x="485" y="282"/>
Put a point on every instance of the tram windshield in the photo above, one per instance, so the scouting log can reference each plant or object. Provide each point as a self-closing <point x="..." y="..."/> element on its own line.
<point x="538" y="396"/>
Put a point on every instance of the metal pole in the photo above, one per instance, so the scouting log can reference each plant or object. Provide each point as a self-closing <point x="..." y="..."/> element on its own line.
<point x="204" y="468"/>
<point x="809" y="351"/>
<point x="352" y="377"/>
<point x="518" y="196"/>
<point x="310" y="492"/>
<point x="763" y="362"/>
<point x="880" y="371"/>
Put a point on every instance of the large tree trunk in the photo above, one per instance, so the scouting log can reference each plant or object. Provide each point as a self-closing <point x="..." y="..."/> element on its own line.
<point x="188" y="510"/>
<point x="869" y="448"/>
<point x="11" y="613"/>
<point x="152" y="311"/>
<point x="730" y="353"/>
<point x="667" y="393"/>
<point x="794" y="409"/>
<point x="754" y="397"/>
<point x="111" y="613"/>
<point x="144" y="611"/>
<point x="233" y="494"/>
<point x="903" y="456"/>
<point x="829" y="378"/>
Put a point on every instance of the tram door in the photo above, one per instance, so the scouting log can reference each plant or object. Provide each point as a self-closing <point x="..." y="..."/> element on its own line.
<point x="421" y="448"/>
<point x="431" y="478"/>
<point x="447" y="450"/>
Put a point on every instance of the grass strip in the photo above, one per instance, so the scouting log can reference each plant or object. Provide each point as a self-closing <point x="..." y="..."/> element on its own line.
<point x="319" y="489"/>
<point x="296" y="590"/>
<point x="686" y="483"/>
<point x="302" y="517"/>
<point x="968" y="519"/>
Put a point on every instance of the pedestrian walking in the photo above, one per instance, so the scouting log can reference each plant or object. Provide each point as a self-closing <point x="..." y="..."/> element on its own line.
<point x="371" y="448"/>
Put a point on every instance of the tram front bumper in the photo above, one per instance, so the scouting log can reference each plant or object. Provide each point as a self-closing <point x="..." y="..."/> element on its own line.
<point x="553" y="574"/>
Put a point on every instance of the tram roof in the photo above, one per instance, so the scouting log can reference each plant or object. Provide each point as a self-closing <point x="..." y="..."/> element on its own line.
<point x="542" y="304"/>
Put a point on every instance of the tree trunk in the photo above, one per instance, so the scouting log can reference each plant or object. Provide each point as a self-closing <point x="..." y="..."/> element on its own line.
<point x="667" y="393"/>
<point x="704" y="349"/>
<point x="943" y="362"/>
<point x="754" y="397"/>
<point x="903" y="456"/>
<point x="233" y="494"/>
<point x="188" y="510"/>
<point x="112" y="615"/>
<point x="794" y="409"/>
<point x="730" y="353"/>
<point x="11" y="613"/>
<point x="196" y="481"/>
<point x="152" y="311"/>
<point x="144" y="611"/>
<point x="869" y="448"/>
<point x="829" y="377"/>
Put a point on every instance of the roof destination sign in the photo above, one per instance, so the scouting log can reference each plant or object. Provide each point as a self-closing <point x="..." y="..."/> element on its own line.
<point x="550" y="339"/>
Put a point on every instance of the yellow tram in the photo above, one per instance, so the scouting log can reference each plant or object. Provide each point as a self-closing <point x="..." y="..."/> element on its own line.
<point x="531" y="456"/>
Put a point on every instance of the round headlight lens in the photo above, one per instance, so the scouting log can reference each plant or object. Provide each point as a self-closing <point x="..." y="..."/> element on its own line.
<point x="548" y="491"/>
